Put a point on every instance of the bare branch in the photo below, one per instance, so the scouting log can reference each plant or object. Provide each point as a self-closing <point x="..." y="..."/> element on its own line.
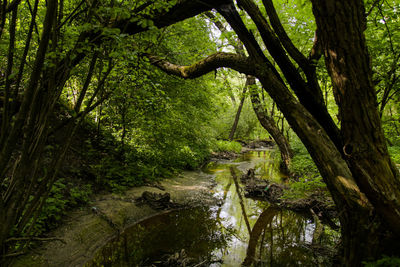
<point x="374" y="4"/>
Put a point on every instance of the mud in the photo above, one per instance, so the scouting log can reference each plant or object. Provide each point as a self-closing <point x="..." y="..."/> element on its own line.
<point x="85" y="231"/>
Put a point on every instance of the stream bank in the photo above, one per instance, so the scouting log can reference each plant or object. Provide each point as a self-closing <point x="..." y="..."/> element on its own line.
<point x="232" y="227"/>
<point x="88" y="229"/>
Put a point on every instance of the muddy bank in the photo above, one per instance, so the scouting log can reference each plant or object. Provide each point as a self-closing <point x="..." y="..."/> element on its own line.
<point x="215" y="213"/>
<point x="317" y="203"/>
<point x="88" y="229"/>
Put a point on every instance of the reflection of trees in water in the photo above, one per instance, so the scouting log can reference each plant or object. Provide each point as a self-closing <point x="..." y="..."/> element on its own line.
<point x="275" y="237"/>
<point x="240" y="195"/>
<point x="278" y="236"/>
<point x="196" y="230"/>
<point x="268" y="168"/>
<point x="259" y="228"/>
<point x="282" y="238"/>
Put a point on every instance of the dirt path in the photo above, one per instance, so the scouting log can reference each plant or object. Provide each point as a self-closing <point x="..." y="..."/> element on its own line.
<point x="86" y="230"/>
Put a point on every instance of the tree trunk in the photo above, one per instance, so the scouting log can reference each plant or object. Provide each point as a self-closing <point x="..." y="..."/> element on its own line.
<point x="269" y="124"/>
<point x="341" y="178"/>
<point x="237" y="117"/>
<point x="342" y="25"/>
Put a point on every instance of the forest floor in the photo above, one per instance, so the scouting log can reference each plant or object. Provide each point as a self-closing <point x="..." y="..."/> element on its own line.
<point x="84" y="231"/>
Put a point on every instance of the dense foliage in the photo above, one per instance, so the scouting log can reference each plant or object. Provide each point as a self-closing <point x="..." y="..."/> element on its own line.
<point x="75" y="64"/>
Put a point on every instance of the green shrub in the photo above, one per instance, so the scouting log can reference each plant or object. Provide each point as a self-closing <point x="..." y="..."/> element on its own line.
<point x="112" y="174"/>
<point x="304" y="167"/>
<point x="227" y="146"/>
<point x="302" y="163"/>
<point x="63" y="196"/>
<point x="394" y="152"/>
<point x="304" y="187"/>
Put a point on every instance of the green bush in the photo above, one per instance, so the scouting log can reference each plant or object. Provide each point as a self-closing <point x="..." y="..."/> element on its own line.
<point x="394" y="152"/>
<point x="303" y="166"/>
<point x="304" y="187"/>
<point x="63" y="196"/>
<point x="302" y="163"/>
<point x="227" y="146"/>
<point x="112" y="174"/>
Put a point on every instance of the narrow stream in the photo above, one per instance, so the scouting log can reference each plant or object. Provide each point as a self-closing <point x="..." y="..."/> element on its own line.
<point x="236" y="231"/>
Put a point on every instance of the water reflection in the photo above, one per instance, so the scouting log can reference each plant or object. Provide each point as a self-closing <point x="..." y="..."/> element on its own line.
<point x="154" y="240"/>
<point x="266" y="164"/>
<point x="238" y="231"/>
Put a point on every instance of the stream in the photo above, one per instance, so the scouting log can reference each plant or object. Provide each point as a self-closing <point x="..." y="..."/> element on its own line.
<point x="235" y="230"/>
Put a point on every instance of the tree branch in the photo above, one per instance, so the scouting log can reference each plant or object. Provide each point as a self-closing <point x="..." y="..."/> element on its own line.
<point x="316" y="50"/>
<point x="13" y="5"/>
<point x="238" y="46"/>
<point x="204" y="66"/>
<point x="182" y="10"/>
<point x="283" y="37"/>
<point x="309" y="93"/>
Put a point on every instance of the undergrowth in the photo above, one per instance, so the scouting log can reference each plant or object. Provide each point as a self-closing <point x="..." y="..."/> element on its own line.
<point x="227" y="146"/>
<point x="64" y="196"/>
<point x="101" y="164"/>
<point x="306" y="178"/>
<point x="305" y="187"/>
<point x="394" y="152"/>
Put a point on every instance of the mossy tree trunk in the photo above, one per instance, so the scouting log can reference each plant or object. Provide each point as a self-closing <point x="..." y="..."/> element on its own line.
<point x="269" y="124"/>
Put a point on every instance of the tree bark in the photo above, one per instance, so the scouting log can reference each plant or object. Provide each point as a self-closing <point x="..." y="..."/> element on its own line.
<point x="348" y="63"/>
<point x="9" y="202"/>
<point x="308" y="93"/>
<point x="269" y="124"/>
<point x="239" y="110"/>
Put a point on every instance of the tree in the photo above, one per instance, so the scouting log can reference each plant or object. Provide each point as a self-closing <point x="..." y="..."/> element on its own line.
<point x="353" y="160"/>
<point x="269" y="124"/>
<point x="74" y="35"/>
<point x="266" y="121"/>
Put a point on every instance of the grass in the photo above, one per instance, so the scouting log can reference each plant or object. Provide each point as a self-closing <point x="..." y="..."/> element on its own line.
<point x="227" y="146"/>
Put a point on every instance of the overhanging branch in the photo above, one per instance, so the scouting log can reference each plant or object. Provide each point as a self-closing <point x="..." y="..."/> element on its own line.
<point x="204" y="66"/>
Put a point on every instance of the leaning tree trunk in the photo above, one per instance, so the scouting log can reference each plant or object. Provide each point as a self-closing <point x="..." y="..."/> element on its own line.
<point x="269" y="124"/>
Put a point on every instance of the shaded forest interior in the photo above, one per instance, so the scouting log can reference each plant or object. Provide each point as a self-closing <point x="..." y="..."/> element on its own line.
<point x="99" y="96"/>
